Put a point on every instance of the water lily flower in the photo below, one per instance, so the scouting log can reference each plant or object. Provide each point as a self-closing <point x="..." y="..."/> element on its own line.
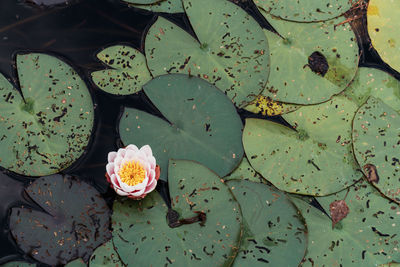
<point x="132" y="172"/>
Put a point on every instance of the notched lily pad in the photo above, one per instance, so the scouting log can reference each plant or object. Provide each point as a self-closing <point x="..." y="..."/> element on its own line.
<point x="230" y="51"/>
<point x="376" y="137"/>
<point x="314" y="159"/>
<point x="105" y="255"/>
<point x="368" y="236"/>
<point x="245" y="172"/>
<point x="273" y="232"/>
<point x="128" y="70"/>
<point x="201" y="124"/>
<point x="305" y="10"/>
<point x="48" y="127"/>
<point x="68" y="227"/>
<point x="142" y="236"/>
<point x="310" y="62"/>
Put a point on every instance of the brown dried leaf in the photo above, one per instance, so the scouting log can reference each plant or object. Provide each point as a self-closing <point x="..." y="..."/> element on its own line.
<point x="339" y="211"/>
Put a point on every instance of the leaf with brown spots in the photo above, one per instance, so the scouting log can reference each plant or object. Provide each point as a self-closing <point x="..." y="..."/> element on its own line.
<point x="339" y="211"/>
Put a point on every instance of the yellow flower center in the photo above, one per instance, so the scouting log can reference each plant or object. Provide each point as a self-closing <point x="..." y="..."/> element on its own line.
<point x="132" y="173"/>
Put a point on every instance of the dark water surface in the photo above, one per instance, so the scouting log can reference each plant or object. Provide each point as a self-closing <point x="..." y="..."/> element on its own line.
<point x="76" y="32"/>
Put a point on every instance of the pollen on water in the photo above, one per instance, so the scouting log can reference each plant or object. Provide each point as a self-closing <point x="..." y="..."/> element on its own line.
<point x="132" y="173"/>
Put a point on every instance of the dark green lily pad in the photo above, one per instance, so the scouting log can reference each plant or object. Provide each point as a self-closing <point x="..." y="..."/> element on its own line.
<point x="18" y="264"/>
<point x="245" y="172"/>
<point x="47" y="127"/>
<point x="376" y="137"/>
<point x="142" y="236"/>
<point x="310" y="62"/>
<point x="368" y="236"/>
<point x="274" y="233"/>
<point x="305" y="10"/>
<point x="163" y="6"/>
<point x="69" y="227"/>
<point x="316" y="159"/>
<point x="142" y="2"/>
<point x="128" y="72"/>
<point x="377" y="83"/>
<point x="105" y="255"/>
<point x="201" y="124"/>
<point x="230" y="51"/>
<point x="76" y="263"/>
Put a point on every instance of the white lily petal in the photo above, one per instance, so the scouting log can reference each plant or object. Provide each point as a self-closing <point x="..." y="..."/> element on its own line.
<point x="110" y="168"/>
<point x="111" y="156"/>
<point x="121" y="193"/>
<point x="147" y="150"/>
<point x="132" y="148"/>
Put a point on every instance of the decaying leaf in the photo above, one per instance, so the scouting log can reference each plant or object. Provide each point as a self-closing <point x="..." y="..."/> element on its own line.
<point x="339" y="211"/>
<point x="371" y="173"/>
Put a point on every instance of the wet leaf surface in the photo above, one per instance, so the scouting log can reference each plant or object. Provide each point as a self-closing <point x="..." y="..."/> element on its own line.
<point x="201" y="124"/>
<point x="310" y="62"/>
<point x="68" y="226"/>
<point x="47" y="127"/>
<point x="314" y="159"/>
<point x="226" y="52"/>
<point x="376" y="137"/>
<point x="127" y="73"/>
<point x="368" y="236"/>
<point x="270" y="236"/>
<point x="142" y="236"/>
<point x="305" y="10"/>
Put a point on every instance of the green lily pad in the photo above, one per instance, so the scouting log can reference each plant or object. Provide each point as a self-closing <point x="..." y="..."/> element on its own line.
<point x="232" y="51"/>
<point x="376" y="137"/>
<point x="305" y="10"/>
<point x="105" y="255"/>
<point x="76" y="263"/>
<point x="310" y="62"/>
<point x="374" y="82"/>
<point x="142" y="236"/>
<point x="274" y="233"/>
<point x="18" y="264"/>
<point x="163" y="6"/>
<point x="383" y="25"/>
<point x="316" y="159"/>
<point x="245" y="172"/>
<point x="47" y="127"/>
<point x="68" y="227"/>
<point x="201" y="124"/>
<point x="368" y="236"/>
<point x="128" y="71"/>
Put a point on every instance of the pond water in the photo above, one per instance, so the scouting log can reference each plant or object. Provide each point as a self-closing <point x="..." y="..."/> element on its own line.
<point x="77" y="32"/>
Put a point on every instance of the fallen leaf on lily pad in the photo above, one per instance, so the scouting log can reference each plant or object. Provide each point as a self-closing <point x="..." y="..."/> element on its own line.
<point x="338" y="210"/>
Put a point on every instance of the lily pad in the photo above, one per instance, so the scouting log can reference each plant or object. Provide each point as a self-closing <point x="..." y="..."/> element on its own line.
<point x="376" y="137"/>
<point x="201" y="124"/>
<point x="163" y="6"/>
<point x="231" y="50"/>
<point x="245" y="172"/>
<point x="142" y="2"/>
<point x="316" y="158"/>
<point x="274" y="233"/>
<point x="47" y="127"/>
<point x="268" y="107"/>
<point x="383" y="24"/>
<point x="105" y="255"/>
<point x="68" y="227"/>
<point x="76" y="263"/>
<point x="368" y="236"/>
<point x="377" y="83"/>
<point x="310" y="62"/>
<point x="18" y="264"/>
<point x="142" y="236"/>
<point x="128" y="71"/>
<point x="305" y="10"/>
